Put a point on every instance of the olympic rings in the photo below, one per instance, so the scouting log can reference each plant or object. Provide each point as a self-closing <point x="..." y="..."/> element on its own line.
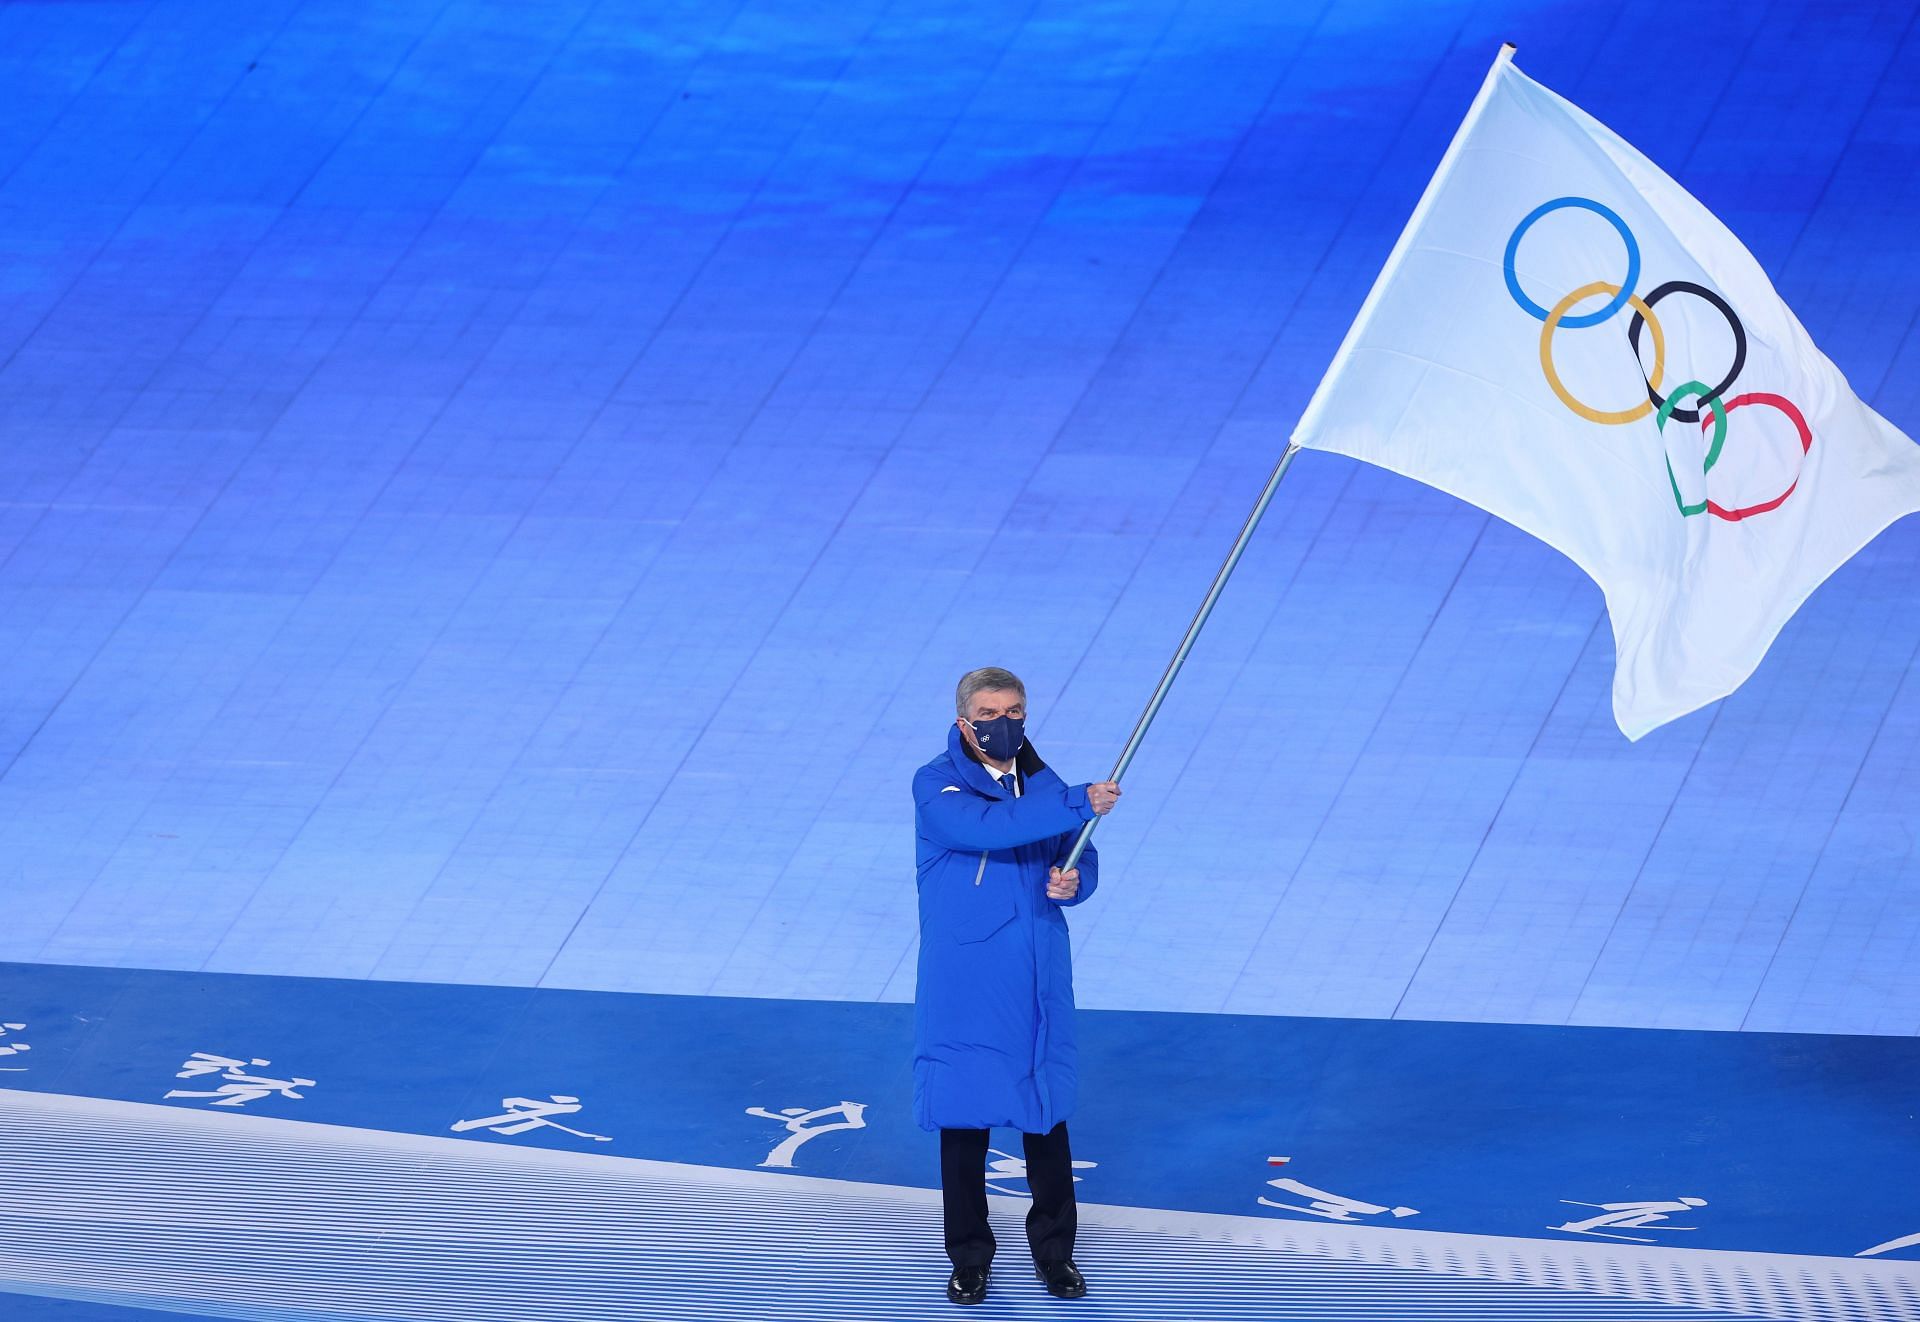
<point x="1733" y="323"/>
<point x="1539" y="313"/>
<point x="1712" y="411"/>
<point x="1558" y="317"/>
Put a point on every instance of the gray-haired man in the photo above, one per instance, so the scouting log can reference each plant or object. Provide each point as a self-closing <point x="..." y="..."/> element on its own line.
<point x="993" y="1011"/>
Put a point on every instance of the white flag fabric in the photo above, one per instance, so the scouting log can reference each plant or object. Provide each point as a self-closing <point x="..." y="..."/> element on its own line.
<point x="1564" y="337"/>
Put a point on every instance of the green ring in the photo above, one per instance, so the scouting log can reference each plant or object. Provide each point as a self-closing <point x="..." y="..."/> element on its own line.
<point x="1705" y="393"/>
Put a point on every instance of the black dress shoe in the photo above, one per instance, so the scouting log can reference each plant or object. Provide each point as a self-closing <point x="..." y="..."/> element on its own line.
<point x="1062" y="1279"/>
<point x="968" y="1285"/>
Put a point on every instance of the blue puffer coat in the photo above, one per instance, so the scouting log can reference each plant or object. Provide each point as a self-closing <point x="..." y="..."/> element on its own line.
<point x="993" y="1013"/>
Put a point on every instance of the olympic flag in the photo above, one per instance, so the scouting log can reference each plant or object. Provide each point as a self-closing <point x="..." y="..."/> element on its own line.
<point x="1564" y="337"/>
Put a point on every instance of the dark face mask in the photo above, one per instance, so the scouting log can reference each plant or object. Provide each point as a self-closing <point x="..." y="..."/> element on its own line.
<point x="1001" y="737"/>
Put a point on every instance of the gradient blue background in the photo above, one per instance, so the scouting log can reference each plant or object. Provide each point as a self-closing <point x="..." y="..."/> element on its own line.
<point x="501" y="493"/>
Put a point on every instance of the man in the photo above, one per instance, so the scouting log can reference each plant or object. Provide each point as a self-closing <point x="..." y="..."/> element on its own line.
<point x="993" y="1013"/>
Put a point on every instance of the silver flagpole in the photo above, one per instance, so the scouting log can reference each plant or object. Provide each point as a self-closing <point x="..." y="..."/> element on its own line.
<point x="1186" y="644"/>
<point x="1307" y="419"/>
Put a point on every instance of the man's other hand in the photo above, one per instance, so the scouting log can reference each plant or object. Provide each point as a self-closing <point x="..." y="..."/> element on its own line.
<point x="1101" y="796"/>
<point x="1063" y="885"/>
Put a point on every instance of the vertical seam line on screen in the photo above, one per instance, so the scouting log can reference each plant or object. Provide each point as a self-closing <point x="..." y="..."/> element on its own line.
<point x="1813" y="868"/>
<point x="53" y="124"/>
<point x="961" y="340"/>
<point x="1253" y="948"/>
<point x="1493" y="820"/>
<point x="746" y="424"/>
<point x="1253" y="371"/>
<point x="1732" y="66"/>
<point x="1839" y="158"/>
<point x="959" y="344"/>
<point x="160" y="366"/>
<point x="1833" y="827"/>
<point x="1893" y="359"/>
<point x="1090" y="928"/>
<point x="1359" y="756"/>
<point x="1600" y="950"/>
<point x="133" y="209"/>
<point x="557" y="252"/>
<point x="1646" y="857"/>
<point x="1277" y="599"/>
<point x="853" y="502"/>
<point x="426" y="429"/>
<point x="267" y="428"/>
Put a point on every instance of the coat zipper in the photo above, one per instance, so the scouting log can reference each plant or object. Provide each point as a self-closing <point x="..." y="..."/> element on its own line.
<point x="983" y="868"/>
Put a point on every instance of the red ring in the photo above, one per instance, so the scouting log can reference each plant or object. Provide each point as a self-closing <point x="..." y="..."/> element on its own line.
<point x="1787" y="407"/>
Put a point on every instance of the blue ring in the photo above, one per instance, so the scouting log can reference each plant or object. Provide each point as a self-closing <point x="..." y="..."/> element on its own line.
<point x="1539" y="313"/>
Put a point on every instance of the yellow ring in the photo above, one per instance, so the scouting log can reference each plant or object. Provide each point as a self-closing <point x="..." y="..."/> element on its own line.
<point x="1564" y="306"/>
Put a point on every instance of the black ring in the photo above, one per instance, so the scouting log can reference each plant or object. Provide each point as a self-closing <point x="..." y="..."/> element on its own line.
<point x="1739" y="342"/>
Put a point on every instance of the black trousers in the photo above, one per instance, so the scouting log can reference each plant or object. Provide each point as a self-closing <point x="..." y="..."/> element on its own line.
<point x="1051" y="1221"/>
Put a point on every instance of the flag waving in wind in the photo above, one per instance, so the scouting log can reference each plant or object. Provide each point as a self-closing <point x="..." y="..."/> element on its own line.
<point x="1564" y="337"/>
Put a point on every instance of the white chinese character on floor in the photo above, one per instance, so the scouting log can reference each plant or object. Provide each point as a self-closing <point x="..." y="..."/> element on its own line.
<point x="1329" y="1205"/>
<point x="238" y="1087"/>
<point x="1891" y="1246"/>
<point x="1628" y="1216"/>
<point x="524" y="1113"/>
<point x="801" y="1127"/>
<point x="1010" y="1169"/>
<point x="12" y="1049"/>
